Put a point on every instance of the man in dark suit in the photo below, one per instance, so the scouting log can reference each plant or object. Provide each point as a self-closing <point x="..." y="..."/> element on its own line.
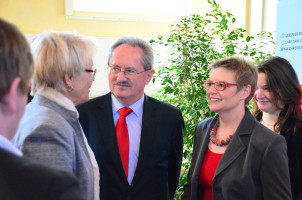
<point x="154" y="129"/>
<point x="21" y="179"/>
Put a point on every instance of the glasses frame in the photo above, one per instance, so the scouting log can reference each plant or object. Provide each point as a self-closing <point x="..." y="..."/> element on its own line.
<point x="93" y="72"/>
<point x="110" y="71"/>
<point x="226" y="84"/>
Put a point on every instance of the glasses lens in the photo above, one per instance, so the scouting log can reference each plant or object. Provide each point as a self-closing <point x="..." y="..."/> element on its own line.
<point x="206" y="85"/>
<point x="220" y="85"/>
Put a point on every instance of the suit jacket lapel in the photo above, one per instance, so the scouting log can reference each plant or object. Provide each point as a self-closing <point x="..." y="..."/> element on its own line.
<point x="237" y="145"/>
<point x="147" y="137"/>
<point x="106" y="126"/>
<point x="105" y="117"/>
<point x="202" y="141"/>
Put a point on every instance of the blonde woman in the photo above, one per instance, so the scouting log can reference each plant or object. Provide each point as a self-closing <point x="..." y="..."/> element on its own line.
<point x="50" y="132"/>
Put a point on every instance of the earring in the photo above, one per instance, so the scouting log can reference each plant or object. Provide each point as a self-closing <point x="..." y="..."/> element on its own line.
<point x="69" y="88"/>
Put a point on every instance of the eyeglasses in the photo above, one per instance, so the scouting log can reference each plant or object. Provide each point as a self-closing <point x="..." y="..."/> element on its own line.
<point x="127" y="71"/>
<point x="220" y="85"/>
<point x="93" y="72"/>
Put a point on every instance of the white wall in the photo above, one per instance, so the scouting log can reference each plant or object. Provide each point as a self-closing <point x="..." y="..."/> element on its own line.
<point x="100" y="85"/>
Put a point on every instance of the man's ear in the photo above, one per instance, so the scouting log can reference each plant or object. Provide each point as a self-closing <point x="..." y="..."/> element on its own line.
<point x="149" y="76"/>
<point x="10" y="99"/>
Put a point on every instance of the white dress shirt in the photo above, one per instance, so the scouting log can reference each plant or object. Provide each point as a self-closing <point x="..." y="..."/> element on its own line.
<point x="8" y="146"/>
<point x="134" y="124"/>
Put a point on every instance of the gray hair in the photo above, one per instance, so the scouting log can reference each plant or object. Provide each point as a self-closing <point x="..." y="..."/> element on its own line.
<point x="148" y="57"/>
<point x="57" y="55"/>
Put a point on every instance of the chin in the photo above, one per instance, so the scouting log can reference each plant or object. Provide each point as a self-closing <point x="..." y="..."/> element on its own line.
<point x="262" y="108"/>
<point x="213" y="109"/>
<point x="80" y="101"/>
<point x="86" y="99"/>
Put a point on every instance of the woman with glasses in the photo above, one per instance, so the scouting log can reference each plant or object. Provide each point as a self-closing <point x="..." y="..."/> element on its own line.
<point x="278" y="107"/>
<point x="49" y="131"/>
<point x="234" y="156"/>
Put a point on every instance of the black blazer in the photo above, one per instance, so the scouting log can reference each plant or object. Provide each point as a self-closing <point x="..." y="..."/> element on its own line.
<point x="253" y="167"/>
<point x="294" y="153"/>
<point x="160" y="153"/>
<point x="22" y="179"/>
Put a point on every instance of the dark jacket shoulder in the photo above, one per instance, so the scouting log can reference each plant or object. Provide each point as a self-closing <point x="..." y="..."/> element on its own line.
<point x="21" y="178"/>
<point x="95" y="102"/>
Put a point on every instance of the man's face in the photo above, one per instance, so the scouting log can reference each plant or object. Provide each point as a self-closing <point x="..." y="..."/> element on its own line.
<point x="128" y="88"/>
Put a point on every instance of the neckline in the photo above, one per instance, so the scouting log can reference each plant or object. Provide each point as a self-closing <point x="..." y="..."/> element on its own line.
<point x="263" y="122"/>
<point x="220" y="154"/>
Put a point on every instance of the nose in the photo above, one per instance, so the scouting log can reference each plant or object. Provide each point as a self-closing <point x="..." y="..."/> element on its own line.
<point x="211" y="90"/>
<point x="258" y="94"/>
<point x="121" y="76"/>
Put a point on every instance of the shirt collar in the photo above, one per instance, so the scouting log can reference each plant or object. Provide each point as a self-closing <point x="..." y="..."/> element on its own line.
<point x="8" y="146"/>
<point x="137" y="107"/>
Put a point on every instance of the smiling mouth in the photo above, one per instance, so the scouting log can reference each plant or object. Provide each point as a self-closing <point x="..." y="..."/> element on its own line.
<point x="214" y="99"/>
<point x="262" y="101"/>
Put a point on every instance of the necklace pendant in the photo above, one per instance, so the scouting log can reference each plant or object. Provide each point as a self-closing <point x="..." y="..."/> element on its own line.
<point x="216" y="141"/>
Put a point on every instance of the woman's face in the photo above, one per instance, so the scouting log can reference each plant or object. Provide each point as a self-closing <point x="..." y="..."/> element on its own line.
<point x="81" y="85"/>
<point x="263" y="95"/>
<point x="228" y="99"/>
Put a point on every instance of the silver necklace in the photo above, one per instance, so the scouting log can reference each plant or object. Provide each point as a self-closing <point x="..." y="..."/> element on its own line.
<point x="266" y="123"/>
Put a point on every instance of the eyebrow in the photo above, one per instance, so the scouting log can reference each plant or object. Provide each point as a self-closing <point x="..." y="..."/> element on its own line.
<point x="126" y="67"/>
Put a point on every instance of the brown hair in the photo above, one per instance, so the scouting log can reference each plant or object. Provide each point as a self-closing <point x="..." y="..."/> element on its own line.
<point x="245" y="73"/>
<point x="15" y="58"/>
<point x="284" y="86"/>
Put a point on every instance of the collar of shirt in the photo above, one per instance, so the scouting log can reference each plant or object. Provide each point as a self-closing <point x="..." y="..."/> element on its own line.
<point x="59" y="98"/>
<point x="8" y="146"/>
<point x="137" y="107"/>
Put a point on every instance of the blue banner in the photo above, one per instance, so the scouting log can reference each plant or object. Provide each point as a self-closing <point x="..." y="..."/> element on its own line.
<point x="289" y="33"/>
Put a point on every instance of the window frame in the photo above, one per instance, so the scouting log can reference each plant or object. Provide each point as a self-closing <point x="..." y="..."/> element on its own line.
<point x="74" y="14"/>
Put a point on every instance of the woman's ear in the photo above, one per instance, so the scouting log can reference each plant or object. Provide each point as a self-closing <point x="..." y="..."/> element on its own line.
<point x="68" y="82"/>
<point x="10" y="99"/>
<point x="246" y="91"/>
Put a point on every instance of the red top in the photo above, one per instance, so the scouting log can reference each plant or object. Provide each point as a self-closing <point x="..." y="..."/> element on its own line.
<point x="207" y="171"/>
<point x="299" y="108"/>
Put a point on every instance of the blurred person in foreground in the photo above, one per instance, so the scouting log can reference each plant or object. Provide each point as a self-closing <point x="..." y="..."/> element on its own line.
<point x="21" y="178"/>
<point x="278" y="107"/>
<point x="234" y="156"/>
<point x="137" y="140"/>
<point x="49" y="131"/>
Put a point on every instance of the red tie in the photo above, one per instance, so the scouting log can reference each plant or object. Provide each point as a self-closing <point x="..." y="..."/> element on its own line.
<point x="123" y="137"/>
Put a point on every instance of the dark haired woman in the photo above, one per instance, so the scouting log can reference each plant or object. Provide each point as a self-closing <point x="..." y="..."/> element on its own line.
<point x="278" y="107"/>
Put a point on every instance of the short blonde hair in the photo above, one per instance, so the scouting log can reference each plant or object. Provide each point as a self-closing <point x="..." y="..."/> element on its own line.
<point x="57" y="55"/>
